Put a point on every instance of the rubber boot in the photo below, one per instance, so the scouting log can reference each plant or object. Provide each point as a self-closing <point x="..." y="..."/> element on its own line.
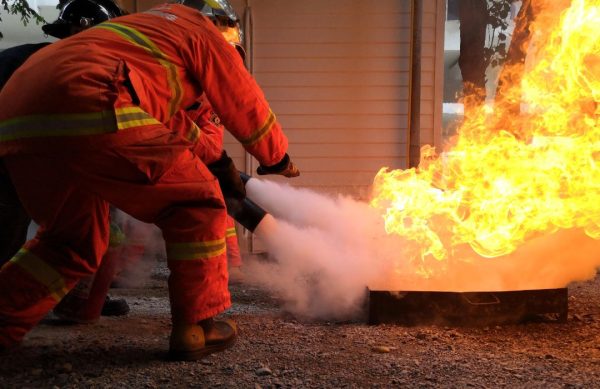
<point x="190" y="342"/>
<point x="114" y="307"/>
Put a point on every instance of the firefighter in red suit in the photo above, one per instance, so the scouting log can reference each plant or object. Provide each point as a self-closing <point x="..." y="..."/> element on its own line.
<point x="74" y="16"/>
<point x="98" y="136"/>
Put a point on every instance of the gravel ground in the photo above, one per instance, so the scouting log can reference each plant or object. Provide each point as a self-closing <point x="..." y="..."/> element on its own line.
<point x="277" y="350"/>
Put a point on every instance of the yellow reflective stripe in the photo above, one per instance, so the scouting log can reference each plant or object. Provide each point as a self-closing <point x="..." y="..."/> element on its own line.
<point x="128" y="117"/>
<point x="261" y="132"/>
<point x="195" y="250"/>
<point x="57" y="125"/>
<point x="230" y="232"/>
<point x="137" y="38"/>
<point x="75" y="124"/>
<point x="42" y="272"/>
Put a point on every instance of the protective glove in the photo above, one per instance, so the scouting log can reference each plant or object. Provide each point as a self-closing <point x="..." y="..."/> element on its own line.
<point x="285" y="167"/>
<point x="228" y="176"/>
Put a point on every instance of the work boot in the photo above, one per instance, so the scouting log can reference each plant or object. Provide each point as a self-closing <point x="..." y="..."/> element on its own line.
<point x="190" y="342"/>
<point x="114" y="307"/>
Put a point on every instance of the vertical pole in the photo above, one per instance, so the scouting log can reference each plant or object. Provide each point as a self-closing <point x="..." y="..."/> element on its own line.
<point x="248" y="241"/>
<point x="414" y="116"/>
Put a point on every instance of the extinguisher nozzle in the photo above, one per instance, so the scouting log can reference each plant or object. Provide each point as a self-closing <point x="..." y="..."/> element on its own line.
<point x="245" y="177"/>
<point x="246" y="212"/>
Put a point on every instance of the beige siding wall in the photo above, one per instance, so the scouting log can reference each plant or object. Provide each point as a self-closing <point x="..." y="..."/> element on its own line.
<point x="336" y="74"/>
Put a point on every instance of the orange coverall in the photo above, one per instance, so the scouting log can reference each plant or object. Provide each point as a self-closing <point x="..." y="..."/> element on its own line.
<point x="83" y="125"/>
<point x="202" y="127"/>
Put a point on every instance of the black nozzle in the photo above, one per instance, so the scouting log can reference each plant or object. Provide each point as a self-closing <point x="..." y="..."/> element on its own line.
<point x="245" y="177"/>
<point x="246" y="212"/>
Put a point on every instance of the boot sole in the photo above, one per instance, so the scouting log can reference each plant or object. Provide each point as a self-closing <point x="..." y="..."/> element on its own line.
<point x="199" y="354"/>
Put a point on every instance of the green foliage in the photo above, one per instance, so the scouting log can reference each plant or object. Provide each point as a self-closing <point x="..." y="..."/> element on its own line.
<point x="21" y="7"/>
<point x="496" y="47"/>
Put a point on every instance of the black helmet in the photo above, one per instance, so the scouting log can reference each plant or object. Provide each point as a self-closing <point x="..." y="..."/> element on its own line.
<point x="81" y="14"/>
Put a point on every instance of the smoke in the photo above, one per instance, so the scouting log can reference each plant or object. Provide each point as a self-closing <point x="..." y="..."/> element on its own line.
<point x="328" y="250"/>
<point x="322" y="248"/>
<point x="139" y="251"/>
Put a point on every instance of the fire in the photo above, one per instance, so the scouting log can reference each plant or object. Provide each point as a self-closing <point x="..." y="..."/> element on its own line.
<point x="507" y="179"/>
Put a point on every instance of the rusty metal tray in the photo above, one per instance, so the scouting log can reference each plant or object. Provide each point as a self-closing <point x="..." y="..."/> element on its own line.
<point x="413" y="308"/>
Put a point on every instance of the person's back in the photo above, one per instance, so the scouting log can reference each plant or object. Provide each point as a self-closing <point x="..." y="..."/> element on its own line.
<point x="145" y="52"/>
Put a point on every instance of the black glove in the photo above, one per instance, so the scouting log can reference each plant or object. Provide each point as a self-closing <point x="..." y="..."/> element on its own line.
<point x="285" y="167"/>
<point x="228" y="176"/>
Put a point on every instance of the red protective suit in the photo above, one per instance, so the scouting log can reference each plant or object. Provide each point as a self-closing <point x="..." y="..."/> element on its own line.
<point x="99" y="137"/>
<point x="86" y="302"/>
<point x="202" y="127"/>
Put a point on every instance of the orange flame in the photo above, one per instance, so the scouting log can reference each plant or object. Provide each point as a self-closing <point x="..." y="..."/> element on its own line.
<point x="510" y="178"/>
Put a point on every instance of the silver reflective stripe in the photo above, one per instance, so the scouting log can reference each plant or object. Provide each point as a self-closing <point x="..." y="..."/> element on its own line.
<point x="37" y="126"/>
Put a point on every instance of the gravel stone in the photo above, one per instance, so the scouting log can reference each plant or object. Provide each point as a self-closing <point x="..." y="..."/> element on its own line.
<point x="275" y="349"/>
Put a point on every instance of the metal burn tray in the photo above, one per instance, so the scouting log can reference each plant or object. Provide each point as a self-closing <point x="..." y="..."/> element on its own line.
<point x="411" y="308"/>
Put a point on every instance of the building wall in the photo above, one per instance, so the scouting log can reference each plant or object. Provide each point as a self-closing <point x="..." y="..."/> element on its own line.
<point x="337" y="75"/>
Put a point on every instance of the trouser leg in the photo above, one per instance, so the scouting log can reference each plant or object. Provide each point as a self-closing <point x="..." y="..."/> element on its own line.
<point x="184" y="200"/>
<point x="14" y="221"/>
<point x="234" y="257"/>
<point x="84" y="303"/>
<point x="71" y="240"/>
<point x="154" y="180"/>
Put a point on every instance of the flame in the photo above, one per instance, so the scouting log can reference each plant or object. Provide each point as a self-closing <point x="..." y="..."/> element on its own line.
<point x="508" y="178"/>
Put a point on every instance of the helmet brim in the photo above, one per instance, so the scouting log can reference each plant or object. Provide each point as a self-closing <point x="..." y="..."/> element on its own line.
<point x="57" y="30"/>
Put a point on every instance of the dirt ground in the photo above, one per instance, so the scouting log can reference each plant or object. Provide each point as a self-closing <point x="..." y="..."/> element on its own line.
<point x="278" y="350"/>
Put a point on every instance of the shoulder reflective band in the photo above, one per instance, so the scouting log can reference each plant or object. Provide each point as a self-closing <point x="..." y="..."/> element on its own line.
<point x="137" y="38"/>
<point x="77" y="124"/>
<point x="261" y="132"/>
<point x="195" y="250"/>
<point x="42" y="272"/>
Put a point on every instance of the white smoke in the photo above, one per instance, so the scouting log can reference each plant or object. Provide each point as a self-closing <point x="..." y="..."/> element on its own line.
<point x="139" y="251"/>
<point x="328" y="250"/>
